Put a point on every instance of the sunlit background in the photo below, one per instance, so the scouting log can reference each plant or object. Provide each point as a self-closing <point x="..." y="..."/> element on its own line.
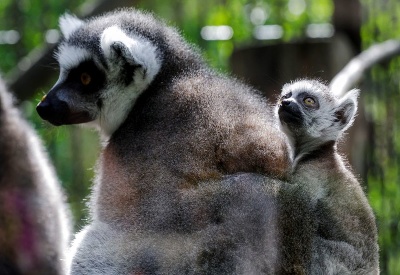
<point x="266" y="43"/>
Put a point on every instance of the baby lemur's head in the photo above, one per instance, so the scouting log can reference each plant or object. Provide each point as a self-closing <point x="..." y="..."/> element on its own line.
<point x="310" y="115"/>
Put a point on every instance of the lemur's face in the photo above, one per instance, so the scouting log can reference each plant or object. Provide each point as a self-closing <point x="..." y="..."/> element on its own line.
<point x="308" y="110"/>
<point x="103" y="69"/>
<point x="293" y="109"/>
<point x="298" y="108"/>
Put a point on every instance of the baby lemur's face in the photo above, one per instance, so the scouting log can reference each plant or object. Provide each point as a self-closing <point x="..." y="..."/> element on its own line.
<point x="308" y="111"/>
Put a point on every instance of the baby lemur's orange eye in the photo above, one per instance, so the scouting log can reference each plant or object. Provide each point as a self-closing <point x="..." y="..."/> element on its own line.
<point x="85" y="78"/>
<point x="308" y="101"/>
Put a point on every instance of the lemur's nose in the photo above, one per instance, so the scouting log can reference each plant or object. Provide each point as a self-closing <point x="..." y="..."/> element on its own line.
<point x="53" y="110"/>
<point x="286" y="102"/>
<point x="44" y="109"/>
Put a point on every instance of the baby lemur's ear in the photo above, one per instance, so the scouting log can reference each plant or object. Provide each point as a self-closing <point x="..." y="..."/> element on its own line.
<point x="346" y="110"/>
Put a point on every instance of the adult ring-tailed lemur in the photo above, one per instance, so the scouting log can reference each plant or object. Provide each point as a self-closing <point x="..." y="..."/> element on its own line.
<point x="173" y="131"/>
<point x="170" y="124"/>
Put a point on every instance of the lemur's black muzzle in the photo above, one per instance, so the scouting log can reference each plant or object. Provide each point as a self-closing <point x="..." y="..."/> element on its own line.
<point x="53" y="110"/>
<point x="289" y="111"/>
<point x="58" y="112"/>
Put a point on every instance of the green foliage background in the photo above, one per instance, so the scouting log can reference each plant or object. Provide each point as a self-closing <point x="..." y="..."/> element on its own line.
<point x="382" y="22"/>
<point x="74" y="150"/>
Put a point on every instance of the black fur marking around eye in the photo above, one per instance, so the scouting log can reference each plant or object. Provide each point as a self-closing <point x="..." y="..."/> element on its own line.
<point x="302" y="96"/>
<point x="97" y="76"/>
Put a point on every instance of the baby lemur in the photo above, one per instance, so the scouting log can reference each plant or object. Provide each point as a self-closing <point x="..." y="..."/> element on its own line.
<point x="34" y="221"/>
<point x="313" y="120"/>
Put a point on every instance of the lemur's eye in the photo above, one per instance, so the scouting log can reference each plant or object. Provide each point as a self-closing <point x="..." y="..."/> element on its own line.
<point x="308" y="101"/>
<point x="86" y="78"/>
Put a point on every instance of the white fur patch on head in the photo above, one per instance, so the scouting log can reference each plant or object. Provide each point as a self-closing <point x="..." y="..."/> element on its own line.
<point x="70" y="56"/>
<point x="68" y="24"/>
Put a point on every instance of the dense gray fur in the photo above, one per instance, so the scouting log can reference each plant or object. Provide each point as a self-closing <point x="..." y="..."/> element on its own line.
<point x="34" y="224"/>
<point x="172" y="130"/>
<point x="237" y="225"/>
<point x="345" y="240"/>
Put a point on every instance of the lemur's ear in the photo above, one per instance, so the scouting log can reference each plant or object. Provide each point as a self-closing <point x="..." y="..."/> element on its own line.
<point x="68" y="24"/>
<point x="134" y="52"/>
<point x="117" y="45"/>
<point x="346" y="110"/>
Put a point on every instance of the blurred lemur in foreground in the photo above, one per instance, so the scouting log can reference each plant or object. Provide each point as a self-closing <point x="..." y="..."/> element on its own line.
<point x="172" y="129"/>
<point x="346" y="235"/>
<point x="34" y="221"/>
